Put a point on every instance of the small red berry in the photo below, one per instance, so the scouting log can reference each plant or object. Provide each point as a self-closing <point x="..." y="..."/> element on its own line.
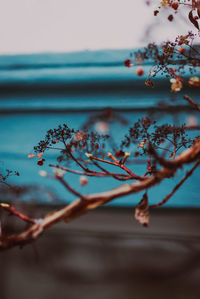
<point x="140" y="72"/>
<point x="40" y="162"/>
<point x="155" y="12"/>
<point x="170" y="18"/>
<point x="175" y="5"/>
<point x="127" y="63"/>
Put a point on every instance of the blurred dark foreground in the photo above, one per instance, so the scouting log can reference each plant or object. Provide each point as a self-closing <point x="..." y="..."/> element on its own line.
<point x="106" y="254"/>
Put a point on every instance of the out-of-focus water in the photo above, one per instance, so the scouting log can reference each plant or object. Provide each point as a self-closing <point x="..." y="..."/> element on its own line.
<point x="39" y="92"/>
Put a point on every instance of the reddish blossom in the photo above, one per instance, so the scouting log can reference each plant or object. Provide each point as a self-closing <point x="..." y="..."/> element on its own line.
<point x="127" y="63"/>
<point x="140" y="72"/>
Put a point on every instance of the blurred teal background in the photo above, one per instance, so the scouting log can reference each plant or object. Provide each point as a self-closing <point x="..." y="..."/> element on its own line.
<point x="41" y="91"/>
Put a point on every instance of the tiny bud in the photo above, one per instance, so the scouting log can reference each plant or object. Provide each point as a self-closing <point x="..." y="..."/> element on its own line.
<point x="127" y="154"/>
<point x="109" y="155"/>
<point x="175" y="5"/>
<point x="172" y="80"/>
<point x="149" y="83"/>
<point x="140" y="72"/>
<point x="40" y="155"/>
<point x="194" y="81"/>
<point x="83" y="180"/>
<point x="155" y="12"/>
<point x="58" y="172"/>
<point x="43" y="173"/>
<point x="88" y="155"/>
<point x="181" y="50"/>
<point x="31" y="156"/>
<point x="4" y="205"/>
<point x="170" y="18"/>
<point x="176" y="85"/>
<point x="142" y="143"/>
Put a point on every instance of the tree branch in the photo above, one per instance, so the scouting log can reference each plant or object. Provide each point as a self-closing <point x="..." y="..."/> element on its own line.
<point x="92" y="201"/>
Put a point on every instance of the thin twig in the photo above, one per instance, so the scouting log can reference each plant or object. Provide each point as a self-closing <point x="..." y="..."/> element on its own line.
<point x="187" y="175"/>
<point x="68" y="187"/>
<point x="92" y="174"/>
<point x="122" y="166"/>
<point x="192" y="102"/>
<point x="108" y="173"/>
<point x="12" y="210"/>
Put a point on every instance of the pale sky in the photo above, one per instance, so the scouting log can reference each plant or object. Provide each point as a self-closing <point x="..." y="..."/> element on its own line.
<point x="28" y="26"/>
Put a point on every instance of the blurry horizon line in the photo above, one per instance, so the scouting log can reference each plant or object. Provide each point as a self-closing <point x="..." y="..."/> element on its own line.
<point x="69" y="51"/>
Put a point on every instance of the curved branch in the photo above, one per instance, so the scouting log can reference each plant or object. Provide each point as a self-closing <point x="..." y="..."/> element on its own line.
<point x="92" y="201"/>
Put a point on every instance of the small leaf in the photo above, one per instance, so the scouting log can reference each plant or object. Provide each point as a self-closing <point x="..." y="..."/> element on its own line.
<point x="192" y="20"/>
<point x="142" y="211"/>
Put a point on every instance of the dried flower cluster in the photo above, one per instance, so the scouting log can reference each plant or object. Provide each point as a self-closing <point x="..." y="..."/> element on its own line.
<point x="174" y="60"/>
